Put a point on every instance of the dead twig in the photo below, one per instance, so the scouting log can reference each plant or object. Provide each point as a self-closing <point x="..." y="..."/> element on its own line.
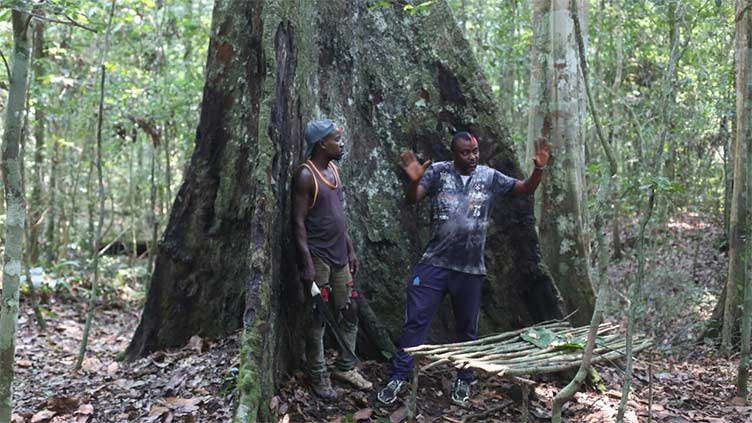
<point x="7" y="68"/>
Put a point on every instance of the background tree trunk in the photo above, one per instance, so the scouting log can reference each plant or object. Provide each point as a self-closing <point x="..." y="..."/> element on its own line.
<point x="557" y="112"/>
<point x="36" y="208"/>
<point x="738" y="225"/>
<point x="15" y="206"/>
<point x="394" y="80"/>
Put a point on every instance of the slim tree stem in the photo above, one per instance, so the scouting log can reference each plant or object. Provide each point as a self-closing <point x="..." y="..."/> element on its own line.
<point x="100" y="223"/>
<point x="14" y="207"/>
<point x="633" y="300"/>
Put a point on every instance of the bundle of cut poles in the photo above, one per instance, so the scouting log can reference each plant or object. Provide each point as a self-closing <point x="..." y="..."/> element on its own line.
<point x="508" y="354"/>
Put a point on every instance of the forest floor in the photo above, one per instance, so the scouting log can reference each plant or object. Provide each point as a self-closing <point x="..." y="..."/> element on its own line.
<point x="690" y="381"/>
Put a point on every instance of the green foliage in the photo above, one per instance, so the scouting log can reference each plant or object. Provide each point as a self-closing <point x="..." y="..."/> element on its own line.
<point x="660" y="183"/>
<point x="417" y="8"/>
<point x="676" y="127"/>
<point x="413" y="9"/>
<point x="541" y="338"/>
<point x="229" y="382"/>
<point x="380" y="3"/>
<point x="545" y="338"/>
<point x="155" y="75"/>
<point x="569" y="346"/>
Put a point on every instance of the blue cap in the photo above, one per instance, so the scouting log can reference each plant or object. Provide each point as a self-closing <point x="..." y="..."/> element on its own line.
<point x="315" y="131"/>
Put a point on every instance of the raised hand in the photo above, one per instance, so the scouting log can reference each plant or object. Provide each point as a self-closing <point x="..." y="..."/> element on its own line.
<point x="409" y="163"/>
<point x="542" y="152"/>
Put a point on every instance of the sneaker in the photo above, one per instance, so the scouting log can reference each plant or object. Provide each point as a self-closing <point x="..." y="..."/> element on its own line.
<point x="354" y="378"/>
<point x="322" y="387"/>
<point x="460" y="391"/>
<point x="390" y="392"/>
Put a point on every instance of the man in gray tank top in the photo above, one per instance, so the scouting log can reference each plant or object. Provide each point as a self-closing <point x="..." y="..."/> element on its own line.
<point x="326" y="254"/>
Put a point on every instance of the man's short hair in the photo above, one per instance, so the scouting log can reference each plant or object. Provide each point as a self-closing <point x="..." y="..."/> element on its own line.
<point x="462" y="135"/>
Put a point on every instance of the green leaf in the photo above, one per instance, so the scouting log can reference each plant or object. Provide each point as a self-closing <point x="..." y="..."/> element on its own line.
<point x="378" y="4"/>
<point x="541" y="338"/>
<point x="569" y="346"/>
<point x="593" y="168"/>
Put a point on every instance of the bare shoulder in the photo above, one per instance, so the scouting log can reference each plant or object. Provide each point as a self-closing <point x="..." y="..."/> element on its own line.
<point x="303" y="178"/>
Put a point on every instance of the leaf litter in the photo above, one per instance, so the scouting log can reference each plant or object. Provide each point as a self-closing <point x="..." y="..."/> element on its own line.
<point x="690" y="381"/>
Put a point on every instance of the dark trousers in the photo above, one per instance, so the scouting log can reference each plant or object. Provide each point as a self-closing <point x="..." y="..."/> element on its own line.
<point x="425" y="292"/>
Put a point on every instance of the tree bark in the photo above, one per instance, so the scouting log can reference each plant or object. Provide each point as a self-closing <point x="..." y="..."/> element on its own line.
<point x="36" y="208"/>
<point x="14" y="206"/>
<point x="738" y="219"/>
<point x="557" y="112"/>
<point x="52" y="217"/>
<point x="393" y="80"/>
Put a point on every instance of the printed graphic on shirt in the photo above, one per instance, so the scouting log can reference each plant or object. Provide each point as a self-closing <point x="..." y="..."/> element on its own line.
<point x="459" y="215"/>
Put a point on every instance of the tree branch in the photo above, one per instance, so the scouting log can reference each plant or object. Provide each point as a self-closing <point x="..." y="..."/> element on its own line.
<point x="68" y="21"/>
<point x="7" y="68"/>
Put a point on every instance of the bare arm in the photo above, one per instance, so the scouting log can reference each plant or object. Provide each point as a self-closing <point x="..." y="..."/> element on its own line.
<point x="529" y="185"/>
<point x="301" y="198"/>
<point x="414" y="191"/>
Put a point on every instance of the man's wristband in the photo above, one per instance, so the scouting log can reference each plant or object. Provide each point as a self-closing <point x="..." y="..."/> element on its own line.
<point x="538" y="167"/>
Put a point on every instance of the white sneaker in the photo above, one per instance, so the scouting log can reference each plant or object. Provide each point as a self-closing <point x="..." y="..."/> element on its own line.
<point x="354" y="378"/>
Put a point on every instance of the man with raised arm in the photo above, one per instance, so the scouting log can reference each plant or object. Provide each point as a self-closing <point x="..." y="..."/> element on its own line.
<point x="461" y="192"/>
<point x="326" y="255"/>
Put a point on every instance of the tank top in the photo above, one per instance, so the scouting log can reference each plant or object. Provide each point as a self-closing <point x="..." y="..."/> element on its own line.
<point x="325" y="221"/>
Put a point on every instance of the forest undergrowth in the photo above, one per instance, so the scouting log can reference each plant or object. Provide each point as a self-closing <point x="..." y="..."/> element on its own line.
<point x="687" y="379"/>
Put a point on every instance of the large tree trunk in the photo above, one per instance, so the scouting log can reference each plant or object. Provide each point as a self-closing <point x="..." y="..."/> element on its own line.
<point x="394" y="80"/>
<point x="557" y="112"/>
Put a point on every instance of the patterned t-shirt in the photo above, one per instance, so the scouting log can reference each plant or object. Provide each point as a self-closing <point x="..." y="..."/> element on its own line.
<point x="459" y="215"/>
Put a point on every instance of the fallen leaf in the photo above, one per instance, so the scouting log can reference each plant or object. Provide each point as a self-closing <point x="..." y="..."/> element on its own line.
<point x="195" y="343"/>
<point x="363" y="414"/>
<point x="91" y="364"/>
<point x="129" y="384"/>
<point x="113" y="368"/>
<point x="738" y="401"/>
<point x="613" y="394"/>
<point x="156" y="412"/>
<point x="85" y="409"/>
<point x="24" y="363"/>
<point x="63" y="404"/>
<point x="176" y="380"/>
<point x="187" y="405"/>
<point x="42" y="416"/>
<point x="337" y="420"/>
<point x="274" y="403"/>
<point x="398" y="415"/>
